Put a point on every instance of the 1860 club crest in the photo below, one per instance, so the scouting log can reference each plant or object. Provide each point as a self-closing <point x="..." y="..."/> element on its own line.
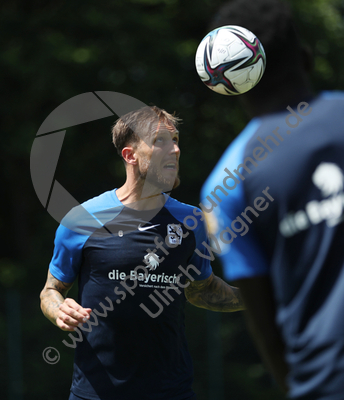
<point x="174" y="234"/>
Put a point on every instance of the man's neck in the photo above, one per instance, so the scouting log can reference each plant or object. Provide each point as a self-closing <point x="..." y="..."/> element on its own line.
<point x="137" y="197"/>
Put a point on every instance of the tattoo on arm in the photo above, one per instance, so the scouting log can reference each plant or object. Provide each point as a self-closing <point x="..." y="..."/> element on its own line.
<point x="214" y="294"/>
<point x="52" y="295"/>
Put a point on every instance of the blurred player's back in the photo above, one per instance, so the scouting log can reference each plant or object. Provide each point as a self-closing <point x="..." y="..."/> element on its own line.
<point x="293" y="151"/>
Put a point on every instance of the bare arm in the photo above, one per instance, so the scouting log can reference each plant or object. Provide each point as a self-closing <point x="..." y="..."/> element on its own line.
<point x="214" y="294"/>
<point x="260" y="317"/>
<point x="63" y="312"/>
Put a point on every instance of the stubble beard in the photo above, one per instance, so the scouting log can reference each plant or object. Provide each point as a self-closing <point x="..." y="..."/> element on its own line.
<point x="150" y="174"/>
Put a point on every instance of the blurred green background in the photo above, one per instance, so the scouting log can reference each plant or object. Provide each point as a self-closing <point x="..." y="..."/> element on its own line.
<point x="54" y="50"/>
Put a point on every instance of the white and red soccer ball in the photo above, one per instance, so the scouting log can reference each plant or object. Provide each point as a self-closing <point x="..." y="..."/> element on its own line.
<point x="230" y="60"/>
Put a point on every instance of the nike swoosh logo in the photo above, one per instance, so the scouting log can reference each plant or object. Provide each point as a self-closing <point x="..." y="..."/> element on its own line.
<point x="144" y="228"/>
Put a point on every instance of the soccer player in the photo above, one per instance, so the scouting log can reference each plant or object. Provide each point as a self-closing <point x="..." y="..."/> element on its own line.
<point x="136" y="263"/>
<point x="280" y="207"/>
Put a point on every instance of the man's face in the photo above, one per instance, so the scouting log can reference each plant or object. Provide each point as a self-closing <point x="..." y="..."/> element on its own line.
<point x="159" y="161"/>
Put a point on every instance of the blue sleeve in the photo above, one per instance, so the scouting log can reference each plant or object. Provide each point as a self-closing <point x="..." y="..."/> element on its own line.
<point x="223" y="197"/>
<point x="244" y="257"/>
<point x="66" y="260"/>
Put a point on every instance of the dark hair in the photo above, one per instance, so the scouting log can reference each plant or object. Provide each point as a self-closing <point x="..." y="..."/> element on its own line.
<point x="124" y="131"/>
<point x="272" y="22"/>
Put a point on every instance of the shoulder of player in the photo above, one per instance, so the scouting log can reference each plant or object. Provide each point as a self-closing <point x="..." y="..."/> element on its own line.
<point x="177" y="207"/>
<point x="187" y="214"/>
<point x="332" y="95"/>
<point x="103" y="201"/>
<point x="87" y="216"/>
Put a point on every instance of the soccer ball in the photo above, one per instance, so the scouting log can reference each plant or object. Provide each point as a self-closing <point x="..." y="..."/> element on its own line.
<point x="230" y="60"/>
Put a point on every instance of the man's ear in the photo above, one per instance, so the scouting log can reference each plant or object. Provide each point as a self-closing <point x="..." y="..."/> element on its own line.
<point x="129" y="155"/>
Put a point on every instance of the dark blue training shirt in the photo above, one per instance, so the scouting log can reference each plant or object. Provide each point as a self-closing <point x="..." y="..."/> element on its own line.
<point x="275" y="201"/>
<point x="131" y="271"/>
